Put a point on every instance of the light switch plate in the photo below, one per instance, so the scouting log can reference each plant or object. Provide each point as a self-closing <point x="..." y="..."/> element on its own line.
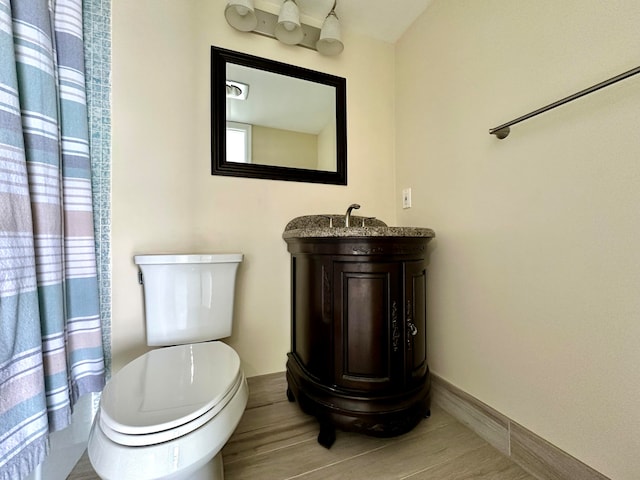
<point x="406" y="198"/>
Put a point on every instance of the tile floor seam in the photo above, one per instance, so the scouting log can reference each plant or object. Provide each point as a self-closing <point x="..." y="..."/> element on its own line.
<point x="381" y="447"/>
<point x="430" y="467"/>
<point x="276" y="427"/>
<point x="299" y="475"/>
<point x="259" y="454"/>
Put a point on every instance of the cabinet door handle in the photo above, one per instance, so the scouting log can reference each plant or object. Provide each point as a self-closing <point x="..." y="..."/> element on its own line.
<point x="413" y="329"/>
<point x="395" y="330"/>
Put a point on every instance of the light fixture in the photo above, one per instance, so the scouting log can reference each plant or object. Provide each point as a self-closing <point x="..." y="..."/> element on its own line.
<point x="289" y="29"/>
<point x="330" y="42"/>
<point x="237" y="90"/>
<point x="241" y="15"/>
<point x="286" y="26"/>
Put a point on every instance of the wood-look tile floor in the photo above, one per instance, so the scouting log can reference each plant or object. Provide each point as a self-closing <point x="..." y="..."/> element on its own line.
<point x="276" y="441"/>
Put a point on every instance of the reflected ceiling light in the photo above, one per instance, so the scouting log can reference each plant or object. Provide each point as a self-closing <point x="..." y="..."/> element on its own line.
<point x="237" y="90"/>
<point x="241" y="15"/>
<point x="330" y="42"/>
<point x="289" y="29"/>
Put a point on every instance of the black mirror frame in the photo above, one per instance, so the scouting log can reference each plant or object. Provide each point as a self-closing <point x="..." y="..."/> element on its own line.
<point x="219" y="165"/>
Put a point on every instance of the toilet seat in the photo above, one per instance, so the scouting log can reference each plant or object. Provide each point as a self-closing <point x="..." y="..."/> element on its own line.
<point x="169" y="392"/>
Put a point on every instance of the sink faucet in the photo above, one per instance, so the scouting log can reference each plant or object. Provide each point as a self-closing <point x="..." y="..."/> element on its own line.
<point x="347" y="216"/>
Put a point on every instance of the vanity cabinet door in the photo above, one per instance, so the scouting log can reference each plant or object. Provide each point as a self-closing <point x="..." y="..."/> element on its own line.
<point x="312" y="315"/>
<point x="368" y="325"/>
<point x="415" y="322"/>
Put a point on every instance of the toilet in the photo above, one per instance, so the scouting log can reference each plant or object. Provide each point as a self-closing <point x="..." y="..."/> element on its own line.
<point x="168" y="413"/>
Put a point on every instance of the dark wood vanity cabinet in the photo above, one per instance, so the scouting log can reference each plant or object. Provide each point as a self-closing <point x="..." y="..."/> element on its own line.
<point x="358" y="357"/>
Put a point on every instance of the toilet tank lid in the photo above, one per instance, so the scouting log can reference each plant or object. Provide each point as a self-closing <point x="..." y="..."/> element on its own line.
<point x="188" y="258"/>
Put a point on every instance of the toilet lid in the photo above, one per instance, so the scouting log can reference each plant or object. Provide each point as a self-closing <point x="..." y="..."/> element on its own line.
<point x="169" y="387"/>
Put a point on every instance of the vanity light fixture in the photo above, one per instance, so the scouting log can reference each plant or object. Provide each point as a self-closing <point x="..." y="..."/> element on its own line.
<point x="330" y="42"/>
<point x="289" y="29"/>
<point x="286" y="27"/>
<point x="241" y="15"/>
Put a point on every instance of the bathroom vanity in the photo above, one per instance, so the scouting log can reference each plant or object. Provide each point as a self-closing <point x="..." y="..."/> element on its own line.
<point x="358" y="359"/>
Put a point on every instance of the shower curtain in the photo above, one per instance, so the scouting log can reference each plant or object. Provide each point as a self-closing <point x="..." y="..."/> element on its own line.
<point x="50" y="333"/>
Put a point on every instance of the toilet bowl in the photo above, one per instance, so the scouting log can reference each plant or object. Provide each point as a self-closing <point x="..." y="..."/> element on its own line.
<point x="168" y="413"/>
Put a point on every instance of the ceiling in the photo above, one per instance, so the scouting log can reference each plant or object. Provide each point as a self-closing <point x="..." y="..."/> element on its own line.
<point x="385" y="20"/>
<point x="279" y="101"/>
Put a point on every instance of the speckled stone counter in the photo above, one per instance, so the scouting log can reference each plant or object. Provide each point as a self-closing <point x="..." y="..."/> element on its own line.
<point x="327" y="232"/>
<point x="318" y="226"/>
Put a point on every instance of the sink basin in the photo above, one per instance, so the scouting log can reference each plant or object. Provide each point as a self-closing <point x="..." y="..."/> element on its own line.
<point x="330" y="225"/>
<point x="331" y="220"/>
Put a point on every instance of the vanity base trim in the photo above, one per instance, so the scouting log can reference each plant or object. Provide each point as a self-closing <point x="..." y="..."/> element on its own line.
<point x="379" y="416"/>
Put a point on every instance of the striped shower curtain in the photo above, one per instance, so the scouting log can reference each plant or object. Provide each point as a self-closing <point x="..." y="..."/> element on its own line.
<point x="50" y="334"/>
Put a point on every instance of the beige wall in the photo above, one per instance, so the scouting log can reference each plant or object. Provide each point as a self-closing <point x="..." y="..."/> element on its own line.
<point x="164" y="198"/>
<point x="285" y="148"/>
<point x="534" y="302"/>
<point x="327" y="141"/>
<point x="535" y="274"/>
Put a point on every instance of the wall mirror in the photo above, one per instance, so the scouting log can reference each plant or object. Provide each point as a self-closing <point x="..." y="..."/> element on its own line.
<point x="276" y="121"/>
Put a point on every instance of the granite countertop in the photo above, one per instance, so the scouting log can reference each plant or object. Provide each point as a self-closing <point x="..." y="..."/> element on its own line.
<point x="317" y="226"/>
<point x="328" y="232"/>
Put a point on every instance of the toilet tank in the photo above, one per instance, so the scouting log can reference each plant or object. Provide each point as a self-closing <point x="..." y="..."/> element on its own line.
<point x="188" y="298"/>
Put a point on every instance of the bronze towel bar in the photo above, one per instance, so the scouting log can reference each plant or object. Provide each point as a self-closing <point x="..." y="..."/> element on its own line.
<point x="503" y="130"/>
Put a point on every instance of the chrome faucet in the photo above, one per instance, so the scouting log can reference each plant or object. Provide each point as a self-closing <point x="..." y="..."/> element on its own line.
<point x="347" y="216"/>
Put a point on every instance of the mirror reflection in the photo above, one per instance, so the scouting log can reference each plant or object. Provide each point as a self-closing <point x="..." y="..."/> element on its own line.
<point x="274" y="119"/>
<point x="277" y="121"/>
